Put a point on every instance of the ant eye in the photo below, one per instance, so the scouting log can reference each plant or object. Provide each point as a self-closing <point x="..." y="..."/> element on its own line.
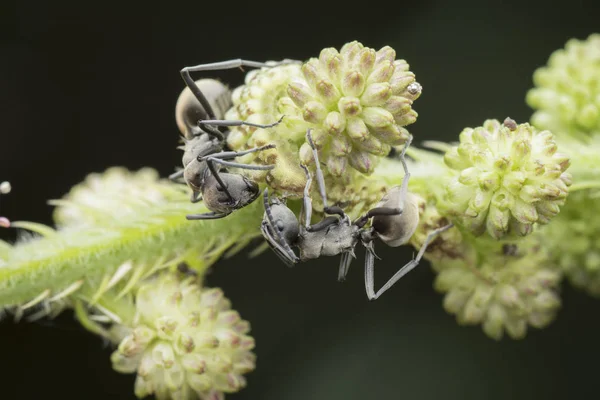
<point x="280" y="225"/>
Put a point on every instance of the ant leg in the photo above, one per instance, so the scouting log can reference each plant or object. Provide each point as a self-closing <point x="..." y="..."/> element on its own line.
<point x="307" y="207"/>
<point x="306" y="200"/>
<point x="280" y="246"/>
<point x="233" y="154"/>
<point x="360" y="222"/>
<point x="175" y="176"/>
<point x="321" y="180"/>
<point x="279" y="251"/>
<point x="370" y="273"/>
<point x="344" y="266"/>
<point x="195" y="198"/>
<point x="208" y="215"/>
<point x="223" y="122"/>
<point x="404" y="187"/>
<point x="236" y="63"/>
<point x="237" y="165"/>
<point x="323" y="224"/>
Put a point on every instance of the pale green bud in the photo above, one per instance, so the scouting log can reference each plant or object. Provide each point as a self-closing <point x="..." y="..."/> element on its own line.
<point x="337" y="165"/>
<point x="335" y="124"/>
<point x="353" y="84"/>
<point x="299" y="93"/>
<point x="361" y="161"/>
<point x="314" y="112"/>
<point x="376" y="94"/>
<point x="350" y="107"/>
<point x="376" y="117"/>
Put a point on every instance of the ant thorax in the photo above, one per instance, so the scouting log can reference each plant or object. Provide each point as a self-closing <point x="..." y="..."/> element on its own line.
<point x="199" y="146"/>
<point x="334" y="240"/>
<point x="195" y="170"/>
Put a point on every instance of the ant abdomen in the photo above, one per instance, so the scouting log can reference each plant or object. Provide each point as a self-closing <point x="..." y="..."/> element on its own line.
<point x="396" y="230"/>
<point x="188" y="110"/>
<point x="242" y="189"/>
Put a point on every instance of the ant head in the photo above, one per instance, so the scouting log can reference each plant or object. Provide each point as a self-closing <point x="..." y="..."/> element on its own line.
<point x="282" y="219"/>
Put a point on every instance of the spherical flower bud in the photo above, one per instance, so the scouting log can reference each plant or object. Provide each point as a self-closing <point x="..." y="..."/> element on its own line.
<point x="566" y="96"/>
<point x="356" y="101"/>
<point x="506" y="287"/>
<point x="184" y="342"/>
<point x="508" y="177"/>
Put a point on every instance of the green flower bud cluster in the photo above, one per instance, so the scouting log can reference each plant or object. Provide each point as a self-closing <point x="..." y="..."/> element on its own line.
<point x="503" y="285"/>
<point x="567" y="100"/>
<point x="567" y="93"/>
<point x="184" y="341"/>
<point x="505" y="288"/>
<point x="574" y="241"/>
<point x="508" y="177"/>
<point x="356" y="101"/>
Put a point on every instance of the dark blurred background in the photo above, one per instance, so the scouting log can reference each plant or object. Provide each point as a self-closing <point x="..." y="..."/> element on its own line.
<point x="85" y="87"/>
